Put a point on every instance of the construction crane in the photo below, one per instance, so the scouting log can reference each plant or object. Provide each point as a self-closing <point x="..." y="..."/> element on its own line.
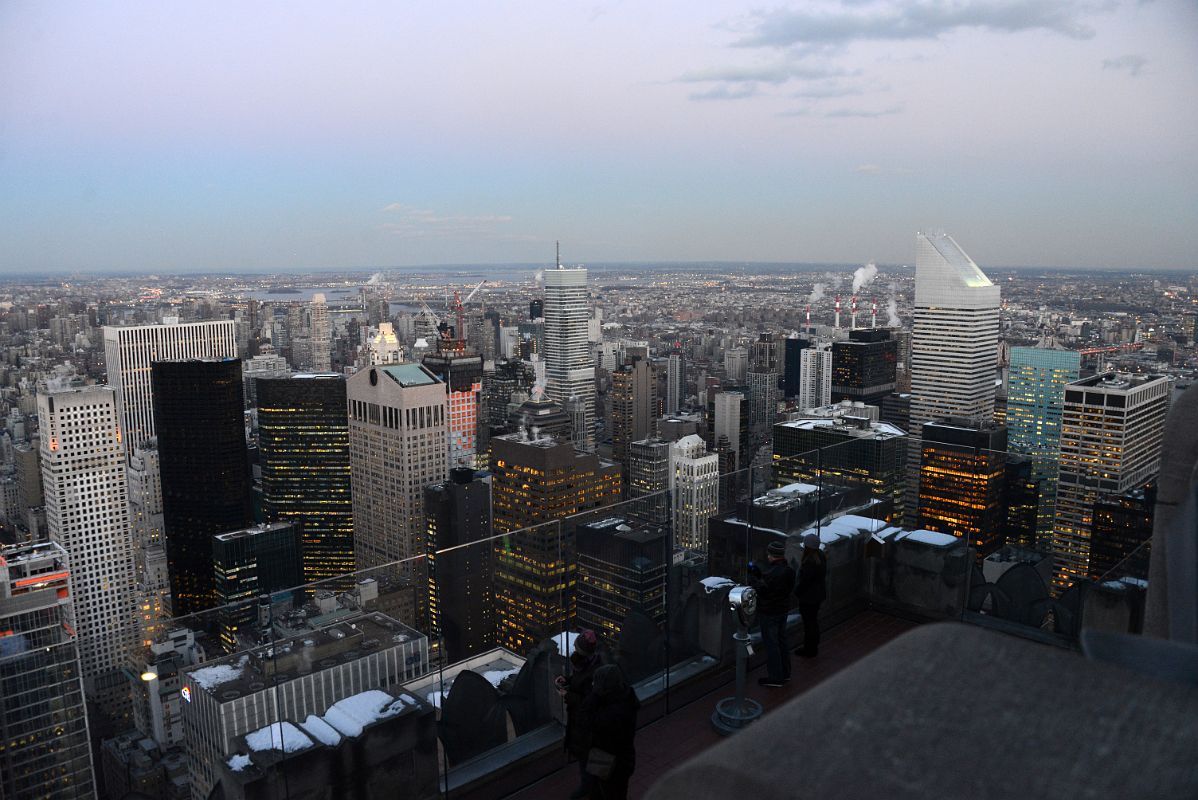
<point x="459" y="306"/>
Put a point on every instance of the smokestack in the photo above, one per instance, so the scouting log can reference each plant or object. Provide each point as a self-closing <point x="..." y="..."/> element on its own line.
<point x="838" y="311"/>
<point x="808" y="319"/>
<point x="854" y="314"/>
<point x="873" y="316"/>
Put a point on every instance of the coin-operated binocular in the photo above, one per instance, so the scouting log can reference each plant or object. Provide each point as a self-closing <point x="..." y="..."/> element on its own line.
<point x="733" y="713"/>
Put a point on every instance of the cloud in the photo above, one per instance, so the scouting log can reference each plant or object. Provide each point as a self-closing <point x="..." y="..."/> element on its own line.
<point x="411" y="222"/>
<point x="1131" y="63"/>
<point x="773" y="74"/>
<point x="864" y="113"/>
<point x="726" y="93"/>
<point x="914" y="19"/>
<point x="877" y="169"/>
<point x="827" y="91"/>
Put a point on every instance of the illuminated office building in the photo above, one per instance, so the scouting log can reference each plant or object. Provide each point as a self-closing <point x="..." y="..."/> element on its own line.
<point x="44" y="747"/>
<point x="534" y="482"/>
<point x="303" y="447"/>
<point x="1122" y="524"/>
<point x="206" y="485"/>
<point x="695" y="490"/>
<point x="815" y="381"/>
<point x="649" y="477"/>
<point x="247" y="564"/>
<point x="864" y="368"/>
<point x="961" y="481"/>
<point x="675" y="383"/>
<point x="1035" y="402"/>
<point x="461" y="593"/>
<point x="633" y="403"/>
<point x="622" y="568"/>
<point x="1111" y="431"/>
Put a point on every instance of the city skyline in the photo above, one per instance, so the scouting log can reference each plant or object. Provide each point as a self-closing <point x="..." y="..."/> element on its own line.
<point x="1051" y="134"/>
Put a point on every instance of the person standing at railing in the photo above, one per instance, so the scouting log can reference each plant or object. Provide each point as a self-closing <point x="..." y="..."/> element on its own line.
<point x="774" y="585"/>
<point x="611" y="711"/>
<point x="574" y="689"/>
<point x="811" y="590"/>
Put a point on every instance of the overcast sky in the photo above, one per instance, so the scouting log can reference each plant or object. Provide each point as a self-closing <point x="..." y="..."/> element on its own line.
<point x="226" y="136"/>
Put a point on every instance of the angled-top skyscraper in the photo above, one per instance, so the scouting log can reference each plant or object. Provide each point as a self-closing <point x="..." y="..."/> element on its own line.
<point x="954" y="341"/>
<point x="570" y="372"/>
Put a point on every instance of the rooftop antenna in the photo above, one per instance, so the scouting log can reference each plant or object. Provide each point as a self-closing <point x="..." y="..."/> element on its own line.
<point x="558" y="244"/>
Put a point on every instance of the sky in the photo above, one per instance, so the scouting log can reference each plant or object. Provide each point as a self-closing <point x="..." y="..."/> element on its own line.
<point x="306" y="135"/>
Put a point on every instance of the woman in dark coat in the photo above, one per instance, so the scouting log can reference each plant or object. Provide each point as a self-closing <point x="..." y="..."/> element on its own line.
<point x="811" y="590"/>
<point x="611" y="714"/>
<point x="575" y="689"/>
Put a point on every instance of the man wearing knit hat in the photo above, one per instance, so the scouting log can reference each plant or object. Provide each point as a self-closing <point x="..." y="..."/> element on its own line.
<point x="774" y="585"/>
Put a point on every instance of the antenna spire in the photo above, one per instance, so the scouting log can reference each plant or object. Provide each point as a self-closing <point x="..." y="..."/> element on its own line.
<point x="558" y="244"/>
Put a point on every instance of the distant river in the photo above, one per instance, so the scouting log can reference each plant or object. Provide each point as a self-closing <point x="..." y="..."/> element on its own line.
<point x="333" y="295"/>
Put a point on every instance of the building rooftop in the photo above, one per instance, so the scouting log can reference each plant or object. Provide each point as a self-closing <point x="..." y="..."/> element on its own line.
<point x="846" y="424"/>
<point x="409" y="374"/>
<point x="253" y="530"/>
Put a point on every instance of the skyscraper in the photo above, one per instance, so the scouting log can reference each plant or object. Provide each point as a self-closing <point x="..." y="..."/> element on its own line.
<point x="536" y="481"/>
<point x="962" y="480"/>
<point x="815" y="385"/>
<point x="461" y="603"/>
<point x="649" y="476"/>
<point x="45" y="750"/>
<point x="320" y="333"/>
<point x="792" y="365"/>
<point x="398" y="430"/>
<point x="206" y="486"/>
<point x="622" y="569"/>
<point x="736" y="364"/>
<point x="460" y="370"/>
<point x="695" y="483"/>
<point x="129" y="352"/>
<point x="149" y="540"/>
<point x="954" y="340"/>
<point x="864" y="368"/>
<point x="729" y="423"/>
<point x="954" y="344"/>
<point x="763" y="400"/>
<point x="569" y="368"/>
<point x="1035" y="399"/>
<point x="1111" y="430"/>
<point x="675" y="383"/>
<point x="303" y="442"/>
<point x="1122" y="523"/>
<point x="633" y="396"/>
<point x="87" y="514"/>
<point x="247" y="564"/>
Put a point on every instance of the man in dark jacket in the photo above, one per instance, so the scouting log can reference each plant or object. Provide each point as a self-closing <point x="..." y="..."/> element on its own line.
<point x="811" y="590"/>
<point x="611" y="710"/>
<point x="774" y="585"/>
<point x="575" y="689"/>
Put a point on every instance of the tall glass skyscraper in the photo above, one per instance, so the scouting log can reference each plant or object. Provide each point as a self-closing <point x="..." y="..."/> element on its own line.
<point x="206" y="488"/>
<point x="570" y="372"/>
<point x="303" y="441"/>
<point x="1035" y="398"/>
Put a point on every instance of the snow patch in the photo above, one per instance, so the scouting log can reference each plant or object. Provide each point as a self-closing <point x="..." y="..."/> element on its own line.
<point x="279" y="736"/>
<point x="239" y="762"/>
<point x="208" y="678"/>
<point x="351" y="715"/>
<point x="321" y="730"/>
<point x="435" y="699"/>
<point x="713" y="584"/>
<point x="496" y="676"/>
<point x="931" y="537"/>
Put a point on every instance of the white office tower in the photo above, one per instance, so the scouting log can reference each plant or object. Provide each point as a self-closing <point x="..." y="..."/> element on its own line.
<point x="384" y="347"/>
<point x="815" y="376"/>
<point x="675" y="383"/>
<point x="129" y="351"/>
<point x="87" y="514"/>
<point x="153" y="588"/>
<point x="398" y="444"/>
<point x="1112" y="427"/>
<point x="695" y="484"/>
<point x="321" y="334"/>
<point x="736" y="364"/>
<point x="569" y="368"/>
<point x="728" y="408"/>
<point x="954" y="342"/>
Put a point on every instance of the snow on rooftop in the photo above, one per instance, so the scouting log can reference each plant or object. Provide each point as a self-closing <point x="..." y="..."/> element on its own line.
<point x="351" y="715"/>
<point x="321" y="730"/>
<point x="496" y="676"/>
<point x="715" y="583"/>
<point x="278" y="736"/>
<point x="239" y="762"/>
<point x="796" y="488"/>
<point x="435" y="699"/>
<point x="930" y="537"/>
<point x="208" y="678"/>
